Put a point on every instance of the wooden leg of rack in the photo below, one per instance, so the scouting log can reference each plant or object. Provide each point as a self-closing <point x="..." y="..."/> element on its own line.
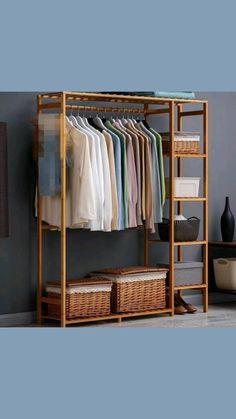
<point x="63" y="212"/>
<point x="205" y="215"/>
<point x="119" y="319"/>
<point x="39" y="263"/>
<point x="39" y="237"/>
<point x="146" y="246"/>
<point x="205" y="300"/>
<point x="171" y="208"/>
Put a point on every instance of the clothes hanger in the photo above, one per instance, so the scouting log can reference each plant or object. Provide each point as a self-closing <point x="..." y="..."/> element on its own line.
<point x="144" y="122"/>
<point x="80" y="121"/>
<point x="68" y="119"/>
<point x="99" y="122"/>
<point x="93" y="124"/>
<point x="104" y="119"/>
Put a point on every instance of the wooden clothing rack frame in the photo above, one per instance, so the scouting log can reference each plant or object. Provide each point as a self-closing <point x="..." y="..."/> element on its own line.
<point x="61" y="102"/>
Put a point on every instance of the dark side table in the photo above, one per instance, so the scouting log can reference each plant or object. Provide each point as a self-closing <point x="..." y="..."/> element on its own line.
<point x="219" y="249"/>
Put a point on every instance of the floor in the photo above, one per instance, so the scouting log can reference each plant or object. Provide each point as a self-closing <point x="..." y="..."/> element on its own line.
<point x="219" y="315"/>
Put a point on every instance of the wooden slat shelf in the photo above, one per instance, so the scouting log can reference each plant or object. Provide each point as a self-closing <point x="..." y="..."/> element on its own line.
<point x="200" y="156"/>
<point x="48" y="300"/>
<point x="110" y="97"/>
<point x="189" y="199"/>
<point x="222" y="244"/>
<point x="93" y="319"/>
<point x="119" y="316"/>
<point x="145" y="313"/>
<point x="190" y="243"/>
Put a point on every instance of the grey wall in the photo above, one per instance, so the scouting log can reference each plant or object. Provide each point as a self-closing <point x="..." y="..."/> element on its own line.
<point x="87" y="250"/>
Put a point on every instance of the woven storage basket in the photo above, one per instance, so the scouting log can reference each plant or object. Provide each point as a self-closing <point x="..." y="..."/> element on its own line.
<point x="137" y="289"/>
<point x="184" y="230"/>
<point x="184" y="142"/>
<point x="88" y="297"/>
<point x="182" y="147"/>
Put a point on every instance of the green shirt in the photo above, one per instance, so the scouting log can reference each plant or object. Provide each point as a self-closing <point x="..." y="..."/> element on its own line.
<point x="122" y="138"/>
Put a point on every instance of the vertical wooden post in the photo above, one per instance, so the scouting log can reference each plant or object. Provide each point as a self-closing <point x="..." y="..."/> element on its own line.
<point x="171" y="205"/>
<point x="180" y="172"/>
<point x="63" y="209"/>
<point x="146" y="232"/>
<point x="39" y="229"/>
<point x="205" y="216"/>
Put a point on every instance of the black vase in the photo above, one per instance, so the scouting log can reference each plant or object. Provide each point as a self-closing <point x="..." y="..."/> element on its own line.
<point x="227" y="223"/>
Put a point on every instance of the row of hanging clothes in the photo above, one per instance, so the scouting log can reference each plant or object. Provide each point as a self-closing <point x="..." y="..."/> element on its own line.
<point x="115" y="172"/>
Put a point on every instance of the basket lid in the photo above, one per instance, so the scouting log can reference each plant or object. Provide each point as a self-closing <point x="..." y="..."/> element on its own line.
<point x="131" y="270"/>
<point x="81" y="281"/>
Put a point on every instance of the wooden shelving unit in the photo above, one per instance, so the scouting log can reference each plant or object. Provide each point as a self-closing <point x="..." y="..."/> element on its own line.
<point x="203" y="113"/>
<point x="63" y="101"/>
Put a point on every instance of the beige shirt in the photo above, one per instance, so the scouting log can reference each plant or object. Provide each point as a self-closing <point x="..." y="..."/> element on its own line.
<point x="149" y="224"/>
<point x="114" y="198"/>
<point x="137" y="155"/>
<point x="141" y="140"/>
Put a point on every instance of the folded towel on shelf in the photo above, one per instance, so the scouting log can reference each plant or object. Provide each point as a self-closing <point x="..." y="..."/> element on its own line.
<point x="171" y="95"/>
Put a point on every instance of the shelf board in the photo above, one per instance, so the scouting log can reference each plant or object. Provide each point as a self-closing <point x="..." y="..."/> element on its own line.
<point x="116" y="97"/>
<point x="50" y="300"/>
<point x="93" y="319"/>
<point x="223" y="244"/>
<point x="199" y="156"/>
<point x="190" y="243"/>
<point x="145" y="313"/>
<point x="112" y="316"/>
<point x="185" y="198"/>
<point x="189" y="287"/>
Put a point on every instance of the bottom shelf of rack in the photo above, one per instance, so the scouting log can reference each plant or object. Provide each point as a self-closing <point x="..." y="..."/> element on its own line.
<point x="118" y="317"/>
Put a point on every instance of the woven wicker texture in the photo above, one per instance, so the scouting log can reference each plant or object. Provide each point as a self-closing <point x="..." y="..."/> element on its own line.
<point x="83" y="305"/>
<point x="184" y="147"/>
<point x="138" y="296"/>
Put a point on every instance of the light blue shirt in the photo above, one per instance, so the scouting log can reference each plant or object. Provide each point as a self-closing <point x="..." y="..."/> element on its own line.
<point x="49" y="165"/>
<point x="117" y="157"/>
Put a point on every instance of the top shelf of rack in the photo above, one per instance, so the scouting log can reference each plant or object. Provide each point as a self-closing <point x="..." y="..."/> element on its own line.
<point x="109" y="97"/>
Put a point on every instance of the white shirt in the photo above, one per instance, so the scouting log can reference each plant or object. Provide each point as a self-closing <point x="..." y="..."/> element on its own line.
<point x="96" y="164"/>
<point x="107" y="209"/>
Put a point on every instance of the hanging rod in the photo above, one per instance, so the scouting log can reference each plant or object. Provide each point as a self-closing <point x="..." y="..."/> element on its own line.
<point x="106" y="109"/>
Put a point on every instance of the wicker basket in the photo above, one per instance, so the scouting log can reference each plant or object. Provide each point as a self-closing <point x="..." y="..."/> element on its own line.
<point x="182" y="147"/>
<point x="184" y="230"/>
<point x="184" y="142"/>
<point x="140" y="291"/>
<point x="88" y="297"/>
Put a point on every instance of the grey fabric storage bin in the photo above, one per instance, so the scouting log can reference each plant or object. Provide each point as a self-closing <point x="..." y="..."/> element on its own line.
<point x="188" y="273"/>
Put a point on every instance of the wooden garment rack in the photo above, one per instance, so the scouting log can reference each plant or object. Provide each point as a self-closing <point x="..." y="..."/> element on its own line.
<point x="98" y="102"/>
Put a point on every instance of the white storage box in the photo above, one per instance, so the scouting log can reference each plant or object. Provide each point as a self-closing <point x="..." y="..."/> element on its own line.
<point x="184" y="186"/>
<point x="225" y="273"/>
